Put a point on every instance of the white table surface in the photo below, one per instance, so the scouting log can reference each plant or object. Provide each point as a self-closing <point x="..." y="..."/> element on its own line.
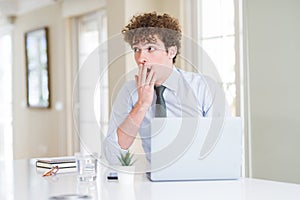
<point x="19" y="180"/>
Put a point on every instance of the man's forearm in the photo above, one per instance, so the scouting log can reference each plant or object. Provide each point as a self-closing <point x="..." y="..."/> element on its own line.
<point x="128" y="130"/>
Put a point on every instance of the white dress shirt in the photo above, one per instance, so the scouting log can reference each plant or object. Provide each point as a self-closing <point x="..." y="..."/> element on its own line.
<point x="187" y="94"/>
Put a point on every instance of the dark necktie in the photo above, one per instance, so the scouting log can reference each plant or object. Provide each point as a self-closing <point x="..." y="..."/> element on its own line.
<point x="160" y="107"/>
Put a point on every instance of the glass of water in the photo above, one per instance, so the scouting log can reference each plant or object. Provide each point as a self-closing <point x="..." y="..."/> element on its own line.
<point x="86" y="166"/>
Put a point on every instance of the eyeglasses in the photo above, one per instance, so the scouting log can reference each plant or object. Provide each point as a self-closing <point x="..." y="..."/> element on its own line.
<point x="51" y="172"/>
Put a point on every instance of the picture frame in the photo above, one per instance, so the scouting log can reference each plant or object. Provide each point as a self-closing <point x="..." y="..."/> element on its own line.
<point x="37" y="68"/>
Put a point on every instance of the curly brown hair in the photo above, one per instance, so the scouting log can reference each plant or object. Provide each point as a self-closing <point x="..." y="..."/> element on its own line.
<point x="145" y="26"/>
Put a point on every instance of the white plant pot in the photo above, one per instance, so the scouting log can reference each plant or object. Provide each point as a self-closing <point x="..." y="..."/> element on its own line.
<point x="126" y="174"/>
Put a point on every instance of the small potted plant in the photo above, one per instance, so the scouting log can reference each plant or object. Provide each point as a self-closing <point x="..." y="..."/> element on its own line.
<point x="126" y="170"/>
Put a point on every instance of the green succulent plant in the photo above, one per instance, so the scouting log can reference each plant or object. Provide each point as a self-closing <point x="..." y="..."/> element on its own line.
<point x="126" y="159"/>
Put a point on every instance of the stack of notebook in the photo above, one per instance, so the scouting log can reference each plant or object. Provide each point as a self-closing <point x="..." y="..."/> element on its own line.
<point x="64" y="164"/>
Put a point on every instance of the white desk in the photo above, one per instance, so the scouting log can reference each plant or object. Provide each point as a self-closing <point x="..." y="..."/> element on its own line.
<point x="20" y="181"/>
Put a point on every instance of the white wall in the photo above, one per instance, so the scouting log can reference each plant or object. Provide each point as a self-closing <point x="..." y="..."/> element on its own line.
<point x="274" y="67"/>
<point x="47" y="132"/>
<point x="39" y="132"/>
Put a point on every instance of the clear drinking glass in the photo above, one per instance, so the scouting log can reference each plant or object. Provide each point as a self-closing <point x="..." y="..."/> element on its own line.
<point x="86" y="166"/>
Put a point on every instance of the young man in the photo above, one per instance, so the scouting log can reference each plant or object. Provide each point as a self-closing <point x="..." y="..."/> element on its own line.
<point x="155" y="40"/>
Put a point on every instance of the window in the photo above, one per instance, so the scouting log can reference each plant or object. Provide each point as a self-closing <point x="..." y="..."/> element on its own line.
<point x="6" y="148"/>
<point x="215" y="27"/>
<point x="92" y="79"/>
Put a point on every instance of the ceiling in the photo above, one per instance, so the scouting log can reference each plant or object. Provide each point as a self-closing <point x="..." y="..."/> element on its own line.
<point x="18" y="7"/>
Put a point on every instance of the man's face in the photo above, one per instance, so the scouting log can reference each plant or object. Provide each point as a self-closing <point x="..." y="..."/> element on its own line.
<point x="154" y="56"/>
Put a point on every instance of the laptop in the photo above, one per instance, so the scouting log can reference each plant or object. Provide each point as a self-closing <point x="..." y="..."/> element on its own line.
<point x="195" y="149"/>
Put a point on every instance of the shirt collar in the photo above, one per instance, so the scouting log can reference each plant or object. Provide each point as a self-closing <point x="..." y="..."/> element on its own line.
<point x="173" y="80"/>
